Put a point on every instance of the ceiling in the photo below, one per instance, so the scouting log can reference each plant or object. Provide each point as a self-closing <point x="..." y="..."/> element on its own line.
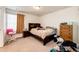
<point x="42" y="11"/>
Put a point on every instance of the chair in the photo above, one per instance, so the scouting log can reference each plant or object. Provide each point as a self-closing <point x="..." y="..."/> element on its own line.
<point x="10" y="32"/>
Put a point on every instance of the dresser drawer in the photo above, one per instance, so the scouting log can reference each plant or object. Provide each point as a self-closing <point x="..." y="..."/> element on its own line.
<point x="66" y="26"/>
<point x="67" y="37"/>
<point x="66" y="32"/>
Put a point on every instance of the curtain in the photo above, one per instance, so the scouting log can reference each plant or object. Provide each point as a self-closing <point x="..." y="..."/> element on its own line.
<point x="20" y="23"/>
<point x="11" y="22"/>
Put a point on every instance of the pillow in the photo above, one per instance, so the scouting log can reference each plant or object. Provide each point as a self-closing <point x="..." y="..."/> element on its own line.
<point x="50" y="27"/>
<point x="38" y="28"/>
<point x="54" y="29"/>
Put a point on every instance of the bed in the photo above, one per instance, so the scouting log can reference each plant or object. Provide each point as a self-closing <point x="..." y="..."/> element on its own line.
<point x="40" y="33"/>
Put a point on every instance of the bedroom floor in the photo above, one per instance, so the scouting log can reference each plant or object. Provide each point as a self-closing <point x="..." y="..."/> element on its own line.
<point x="28" y="44"/>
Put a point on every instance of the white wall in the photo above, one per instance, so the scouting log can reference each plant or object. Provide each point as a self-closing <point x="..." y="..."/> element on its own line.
<point x="29" y="18"/>
<point x="65" y="15"/>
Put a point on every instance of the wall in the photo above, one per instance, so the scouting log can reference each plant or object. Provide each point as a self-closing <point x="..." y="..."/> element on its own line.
<point x="65" y="15"/>
<point x="29" y="18"/>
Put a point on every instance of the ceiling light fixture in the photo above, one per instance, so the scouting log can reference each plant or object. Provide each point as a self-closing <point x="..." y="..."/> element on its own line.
<point x="36" y="7"/>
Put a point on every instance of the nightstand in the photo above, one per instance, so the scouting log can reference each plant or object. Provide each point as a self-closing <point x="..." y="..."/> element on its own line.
<point x="26" y="34"/>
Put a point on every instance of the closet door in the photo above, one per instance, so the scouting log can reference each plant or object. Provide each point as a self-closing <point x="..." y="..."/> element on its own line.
<point x="75" y="32"/>
<point x="2" y="38"/>
<point x="20" y="23"/>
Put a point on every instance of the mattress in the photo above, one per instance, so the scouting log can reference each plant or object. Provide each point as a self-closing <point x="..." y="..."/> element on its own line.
<point x="42" y="33"/>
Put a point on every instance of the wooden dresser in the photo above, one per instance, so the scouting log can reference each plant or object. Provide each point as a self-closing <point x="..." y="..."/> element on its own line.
<point x="66" y="31"/>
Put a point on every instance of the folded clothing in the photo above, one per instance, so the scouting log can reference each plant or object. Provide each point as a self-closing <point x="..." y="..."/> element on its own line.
<point x="69" y="43"/>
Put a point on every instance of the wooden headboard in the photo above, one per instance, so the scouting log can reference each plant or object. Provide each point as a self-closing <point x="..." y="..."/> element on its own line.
<point x="34" y="25"/>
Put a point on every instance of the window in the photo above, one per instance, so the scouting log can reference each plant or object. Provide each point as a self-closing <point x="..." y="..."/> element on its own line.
<point x="12" y="22"/>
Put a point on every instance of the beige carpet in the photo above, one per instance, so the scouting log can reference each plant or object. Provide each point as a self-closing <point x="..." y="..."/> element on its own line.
<point x="28" y="44"/>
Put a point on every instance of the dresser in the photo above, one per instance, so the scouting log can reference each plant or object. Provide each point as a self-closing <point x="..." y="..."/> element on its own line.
<point x="66" y="31"/>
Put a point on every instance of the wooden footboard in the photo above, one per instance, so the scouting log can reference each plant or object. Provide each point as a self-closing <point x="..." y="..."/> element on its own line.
<point x="45" y="41"/>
